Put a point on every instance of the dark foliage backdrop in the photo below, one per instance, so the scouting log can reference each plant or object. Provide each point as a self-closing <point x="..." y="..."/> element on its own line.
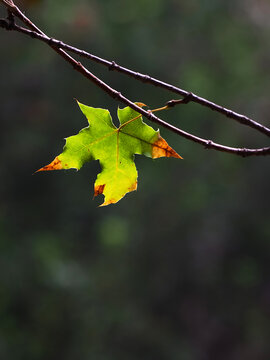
<point x="177" y="270"/>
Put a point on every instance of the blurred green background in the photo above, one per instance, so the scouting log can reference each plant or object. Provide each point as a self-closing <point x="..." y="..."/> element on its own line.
<point x="178" y="270"/>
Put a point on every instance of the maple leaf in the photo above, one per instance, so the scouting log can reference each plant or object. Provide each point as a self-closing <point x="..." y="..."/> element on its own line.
<point x="114" y="148"/>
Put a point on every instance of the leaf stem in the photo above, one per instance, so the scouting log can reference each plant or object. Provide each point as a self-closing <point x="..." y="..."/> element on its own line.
<point x="128" y="122"/>
<point x="150" y="111"/>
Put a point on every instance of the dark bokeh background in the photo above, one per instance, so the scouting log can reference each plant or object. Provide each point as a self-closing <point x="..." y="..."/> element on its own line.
<point x="179" y="269"/>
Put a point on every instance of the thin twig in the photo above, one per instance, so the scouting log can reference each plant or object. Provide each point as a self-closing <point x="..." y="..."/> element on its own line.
<point x="37" y="33"/>
<point x="188" y="96"/>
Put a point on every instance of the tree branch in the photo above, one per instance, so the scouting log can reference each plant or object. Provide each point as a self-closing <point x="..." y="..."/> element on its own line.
<point x="35" y="32"/>
<point x="113" y="66"/>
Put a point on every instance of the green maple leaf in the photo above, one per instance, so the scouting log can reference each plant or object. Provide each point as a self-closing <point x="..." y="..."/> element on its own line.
<point x="114" y="148"/>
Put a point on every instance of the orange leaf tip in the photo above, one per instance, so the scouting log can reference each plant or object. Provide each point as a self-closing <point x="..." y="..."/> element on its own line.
<point x="98" y="189"/>
<point x="54" y="165"/>
<point x="161" y="148"/>
<point x="140" y="104"/>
